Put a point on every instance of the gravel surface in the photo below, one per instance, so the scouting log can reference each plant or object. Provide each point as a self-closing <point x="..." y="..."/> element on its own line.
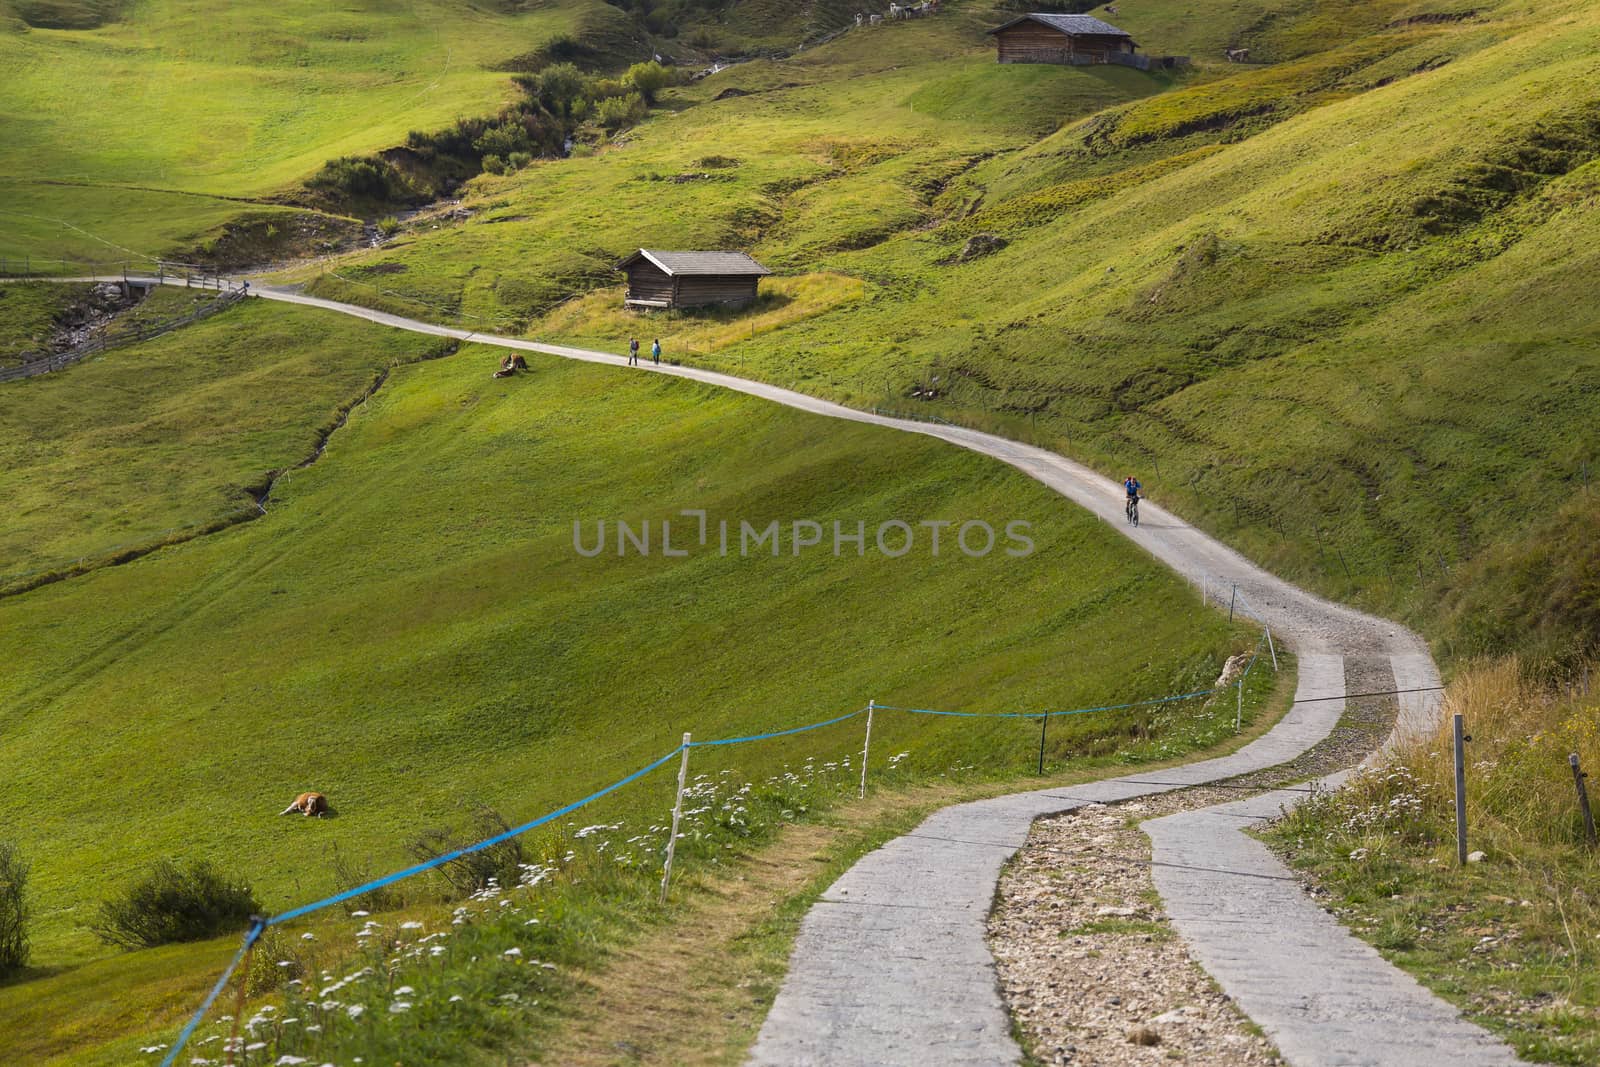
<point x="1091" y="970"/>
<point x="1089" y="967"/>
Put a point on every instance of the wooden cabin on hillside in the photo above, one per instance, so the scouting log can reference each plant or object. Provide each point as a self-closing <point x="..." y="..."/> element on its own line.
<point x="690" y="279"/>
<point x="1073" y="39"/>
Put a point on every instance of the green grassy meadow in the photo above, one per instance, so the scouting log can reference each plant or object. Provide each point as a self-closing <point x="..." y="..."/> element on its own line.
<point x="153" y="441"/>
<point x="1286" y="294"/>
<point x="409" y="627"/>
<point x="1334" y="305"/>
<point x="196" y="107"/>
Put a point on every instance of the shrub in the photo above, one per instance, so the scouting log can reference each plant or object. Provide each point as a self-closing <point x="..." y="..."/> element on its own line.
<point x="13" y="910"/>
<point x="473" y="871"/>
<point x="389" y="226"/>
<point x="648" y="79"/>
<point x="361" y="177"/>
<point x="173" y="903"/>
<point x="494" y="165"/>
<point x="618" y="112"/>
<point x="502" y="140"/>
<point x="518" y="160"/>
<point x="559" y="89"/>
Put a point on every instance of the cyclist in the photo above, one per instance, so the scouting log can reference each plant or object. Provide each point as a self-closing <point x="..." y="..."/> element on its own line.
<point x="1132" y="485"/>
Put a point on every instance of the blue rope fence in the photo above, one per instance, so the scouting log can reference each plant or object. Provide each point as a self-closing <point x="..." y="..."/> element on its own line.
<point x="260" y="924"/>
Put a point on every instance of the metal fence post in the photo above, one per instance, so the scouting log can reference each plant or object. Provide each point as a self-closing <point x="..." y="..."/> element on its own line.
<point x="1583" y="798"/>
<point x="1460" y="746"/>
<point x="1238" y="708"/>
<point x="1044" y="722"/>
<point x="1232" y="600"/>
<point x="866" y="746"/>
<point x="1270" y="649"/>
<point x="677" y="816"/>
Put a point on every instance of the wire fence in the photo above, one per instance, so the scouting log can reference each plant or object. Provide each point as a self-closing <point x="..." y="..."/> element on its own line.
<point x="103" y="339"/>
<point x="682" y="753"/>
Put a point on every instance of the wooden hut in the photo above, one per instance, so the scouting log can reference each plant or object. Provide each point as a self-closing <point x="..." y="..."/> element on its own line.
<point x="1075" y="39"/>
<point x="690" y="279"/>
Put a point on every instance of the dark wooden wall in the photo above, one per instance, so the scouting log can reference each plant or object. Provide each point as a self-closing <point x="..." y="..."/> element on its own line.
<point x="646" y="281"/>
<point x="716" y="289"/>
<point x="1032" y="42"/>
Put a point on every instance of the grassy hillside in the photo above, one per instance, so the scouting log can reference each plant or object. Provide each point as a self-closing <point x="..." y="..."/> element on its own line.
<point x="410" y="628"/>
<point x="1334" y="307"/>
<point x="198" y="105"/>
<point x="162" y="439"/>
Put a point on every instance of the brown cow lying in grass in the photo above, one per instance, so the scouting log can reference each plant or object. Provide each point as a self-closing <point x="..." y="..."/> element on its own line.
<point x="308" y="804"/>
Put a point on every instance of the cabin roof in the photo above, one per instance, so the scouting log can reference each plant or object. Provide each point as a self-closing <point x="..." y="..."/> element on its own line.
<point x="686" y="264"/>
<point x="1072" y="25"/>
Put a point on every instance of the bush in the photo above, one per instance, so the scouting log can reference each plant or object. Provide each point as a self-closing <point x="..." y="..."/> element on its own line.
<point x="13" y="910"/>
<point x="494" y="165"/>
<point x="174" y="903"/>
<point x="618" y="112"/>
<point x="648" y="79"/>
<point x="500" y="863"/>
<point x="389" y="226"/>
<point x="518" y="160"/>
<point x="559" y="89"/>
<point x="502" y="140"/>
<point x="360" y="176"/>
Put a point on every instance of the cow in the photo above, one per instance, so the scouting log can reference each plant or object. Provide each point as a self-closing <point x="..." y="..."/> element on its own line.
<point x="308" y="804"/>
<point x="1237" y="55"/>
<point x="874" y="20"/>
<point x="860" y="19"/>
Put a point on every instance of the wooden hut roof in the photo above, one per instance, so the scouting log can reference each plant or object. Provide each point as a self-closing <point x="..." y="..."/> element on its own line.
<point x="689" y="264"/>
<point x="1073" y="25"/>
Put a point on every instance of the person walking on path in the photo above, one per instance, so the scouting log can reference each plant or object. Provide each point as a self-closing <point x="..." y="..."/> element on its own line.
<point x="655" y="351"/>
<point x="633" y="351"/>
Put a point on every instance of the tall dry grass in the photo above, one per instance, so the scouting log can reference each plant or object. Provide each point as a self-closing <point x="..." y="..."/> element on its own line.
<point x="1520" y="791"/>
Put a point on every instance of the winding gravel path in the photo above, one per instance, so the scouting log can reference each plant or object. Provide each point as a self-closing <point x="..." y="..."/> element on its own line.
<point x="891" y="964"/>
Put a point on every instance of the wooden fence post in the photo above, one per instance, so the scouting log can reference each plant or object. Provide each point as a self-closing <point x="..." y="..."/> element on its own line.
<point x="866" y="746"/>
<point x="1583" y="798"/>
<point x="1460" y="746"/>
<point x="677" y="816"/>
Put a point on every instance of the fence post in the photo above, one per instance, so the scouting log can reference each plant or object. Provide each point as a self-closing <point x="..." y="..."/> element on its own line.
<point x="1583" y="798"/>
<point x="677" y="816"/>
<point x="866" y="746"/>
<point x="1270" y="649"/>
<point x="1044" y="721"/>
<point x="1238" y="708"/>
<point x="1232" y="600"/>
<point x="1460" y="746"/>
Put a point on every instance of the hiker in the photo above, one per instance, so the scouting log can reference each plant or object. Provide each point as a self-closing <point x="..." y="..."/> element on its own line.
<point x="655" y="351"/>
<point x="246" y="288"/>
<point x="633" y="351"/>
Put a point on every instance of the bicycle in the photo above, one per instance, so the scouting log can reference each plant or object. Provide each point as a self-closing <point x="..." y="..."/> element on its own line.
<point x="1133" y="511"/>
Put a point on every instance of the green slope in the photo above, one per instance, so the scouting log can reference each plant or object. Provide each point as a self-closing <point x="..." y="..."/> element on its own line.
<point x="171" y="437"/>
<point x="1335" y="307"/>
<point x="409" y="627"/>
<point x="192" y="101"/>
